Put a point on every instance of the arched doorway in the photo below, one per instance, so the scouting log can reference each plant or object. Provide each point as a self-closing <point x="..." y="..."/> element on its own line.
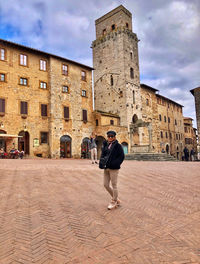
<point x="85" y="153"/>
<point x="99" y="141"/>
<point x="167" y="149"/>
<point x="65" y="147"/>
<point x="23" y="142"/>
<point x="125" y="147"/>
<point x="3" y="141"/>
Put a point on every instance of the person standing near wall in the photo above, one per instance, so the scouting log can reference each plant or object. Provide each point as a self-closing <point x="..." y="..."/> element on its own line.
<point x="93" y="149"/>
<point x="112" y="157"/>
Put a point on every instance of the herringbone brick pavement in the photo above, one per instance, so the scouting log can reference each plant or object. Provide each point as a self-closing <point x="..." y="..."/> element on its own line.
<point x="55" y="212"/>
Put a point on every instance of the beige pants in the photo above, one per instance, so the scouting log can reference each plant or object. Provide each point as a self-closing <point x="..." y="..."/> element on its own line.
<point x="111" y="176"/>
<point x="94" y="154"/>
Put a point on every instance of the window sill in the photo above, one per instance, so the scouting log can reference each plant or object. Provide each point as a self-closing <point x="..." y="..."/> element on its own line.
<point x="2" y="114"/>
<point x="24" y="116"/>
<point x="66" y="119"/>
<point x="23" y="65"/>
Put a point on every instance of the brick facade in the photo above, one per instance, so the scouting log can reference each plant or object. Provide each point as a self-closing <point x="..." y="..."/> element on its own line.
<point x="53" y="124"/>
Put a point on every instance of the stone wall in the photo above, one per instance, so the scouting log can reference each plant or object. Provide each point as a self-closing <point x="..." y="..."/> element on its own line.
<point x="12" y="122"/>
<point x="120" y="17"/>
<point x="196" y="93"/>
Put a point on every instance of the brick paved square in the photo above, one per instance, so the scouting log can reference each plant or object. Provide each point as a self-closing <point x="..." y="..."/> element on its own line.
<point x="55" y="212"/>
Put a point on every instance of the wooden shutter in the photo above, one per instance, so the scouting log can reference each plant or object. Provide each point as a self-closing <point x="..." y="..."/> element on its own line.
<point x="43" y="110"/>
<point x="2" y="105"/>
<point x="66" y="112"/>
<point x="85" y="115"/>
<point x="24" y="108"/>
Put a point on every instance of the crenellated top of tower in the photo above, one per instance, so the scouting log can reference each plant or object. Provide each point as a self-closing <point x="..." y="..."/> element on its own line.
<point x="119" y="17"/>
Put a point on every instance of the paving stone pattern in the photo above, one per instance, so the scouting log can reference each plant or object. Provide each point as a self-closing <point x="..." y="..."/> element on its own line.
<point x="55" y="212"/>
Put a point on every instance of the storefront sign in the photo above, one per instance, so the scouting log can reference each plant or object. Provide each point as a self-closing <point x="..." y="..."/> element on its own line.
<point x="36" y="142"/>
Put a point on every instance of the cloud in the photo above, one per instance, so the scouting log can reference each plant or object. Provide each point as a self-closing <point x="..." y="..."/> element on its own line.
<point x="169" y="51"/>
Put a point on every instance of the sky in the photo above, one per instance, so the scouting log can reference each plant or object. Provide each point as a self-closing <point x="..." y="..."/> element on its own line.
<point x="169" y="33"/>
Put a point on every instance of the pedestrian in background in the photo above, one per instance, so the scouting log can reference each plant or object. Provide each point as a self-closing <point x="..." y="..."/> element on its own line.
<point x="112" y="157"/>
<point x="186" y="154"/>
<point x="192" y="152"/>
<point x="93" y="148"/>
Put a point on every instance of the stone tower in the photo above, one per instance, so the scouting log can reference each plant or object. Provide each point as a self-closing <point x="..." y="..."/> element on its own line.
<point x="116" y="66"/>
<point x="196" y="94"/>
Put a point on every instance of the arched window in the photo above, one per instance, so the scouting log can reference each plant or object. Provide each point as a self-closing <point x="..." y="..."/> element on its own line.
<point x="131" y="73"/>
<point x="135" y="118"/>
<point x="131" y="55"/>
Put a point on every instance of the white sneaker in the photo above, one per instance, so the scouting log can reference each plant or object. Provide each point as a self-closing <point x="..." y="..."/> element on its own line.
<point x="118" y="202"/>
<point x="112" y="204"/>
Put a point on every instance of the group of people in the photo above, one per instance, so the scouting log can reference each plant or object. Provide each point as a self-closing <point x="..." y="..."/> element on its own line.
<point x="188" y="155"/>
<point x="13" y="154"/>
<point x="112" y="156"/>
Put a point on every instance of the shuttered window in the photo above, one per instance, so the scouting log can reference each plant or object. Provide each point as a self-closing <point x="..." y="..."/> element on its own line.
<point x="2" y="105"/>
<point x="43" y="110"/>
<point x="24" y="108"/>
<point x="84" y="115"/>
<point x="44" y="137"/>
<point x="66" y="112"/>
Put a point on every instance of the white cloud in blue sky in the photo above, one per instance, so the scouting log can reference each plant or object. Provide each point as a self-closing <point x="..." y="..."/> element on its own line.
<point x="169" y="32"/>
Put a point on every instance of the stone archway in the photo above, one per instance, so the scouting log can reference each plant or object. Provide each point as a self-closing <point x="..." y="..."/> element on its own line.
<point x="3" y="141"/>
<point x="85" y="153"/>
<point x="24" y="142"/>
<point x="65" y="147"/>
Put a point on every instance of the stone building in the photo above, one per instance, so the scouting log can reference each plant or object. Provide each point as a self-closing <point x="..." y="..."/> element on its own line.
<point x="45" y="102"/>
<point x="196" y="93"/>
<point x="150" y="121"/>
<point x="190" y="134"/>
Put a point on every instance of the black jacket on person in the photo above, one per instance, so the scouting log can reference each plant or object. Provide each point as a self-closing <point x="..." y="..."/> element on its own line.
<point x="113" y="156"/>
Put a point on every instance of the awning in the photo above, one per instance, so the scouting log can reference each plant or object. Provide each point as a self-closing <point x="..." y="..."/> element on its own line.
<point x="9" y="136"/>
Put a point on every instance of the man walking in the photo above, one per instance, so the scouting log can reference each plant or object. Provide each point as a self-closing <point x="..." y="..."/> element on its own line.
<point x="112" y="157"/>
<point x="93" y="149"/>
